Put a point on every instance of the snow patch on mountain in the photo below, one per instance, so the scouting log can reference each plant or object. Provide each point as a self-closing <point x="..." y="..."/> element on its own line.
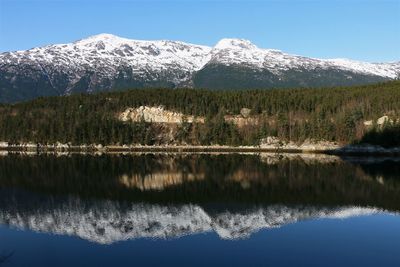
<point x="229" y="43"/>
<point x="390" y="70"/>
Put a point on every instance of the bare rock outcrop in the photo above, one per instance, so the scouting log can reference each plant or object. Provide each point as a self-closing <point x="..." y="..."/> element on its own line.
<point x="272" y="142"/>
<point x="380" y="121"/>
<point x="157" y="115"/>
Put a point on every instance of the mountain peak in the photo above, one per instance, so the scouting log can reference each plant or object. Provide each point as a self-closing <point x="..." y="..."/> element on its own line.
<point x="102" y="36"/>
<point x="232" y="43"/>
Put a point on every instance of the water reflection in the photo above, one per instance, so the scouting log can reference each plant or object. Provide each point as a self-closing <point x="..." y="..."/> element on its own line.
<point x="109" y="198"/>
<point x="105" y="222"/>
<point x="5" y="256"/>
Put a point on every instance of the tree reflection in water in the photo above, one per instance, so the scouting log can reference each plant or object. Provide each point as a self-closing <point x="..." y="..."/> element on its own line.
<point x="203" y="178"/>
<point x="108" y="198"/>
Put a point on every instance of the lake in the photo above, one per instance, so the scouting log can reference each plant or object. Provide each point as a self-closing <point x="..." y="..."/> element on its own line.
<point x="199" y="210"/>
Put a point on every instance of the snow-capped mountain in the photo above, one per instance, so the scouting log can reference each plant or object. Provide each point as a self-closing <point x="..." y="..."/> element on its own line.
<point x="243" y="52"/>
<point x="106" y="62"/>
<point x="106" y="222"/>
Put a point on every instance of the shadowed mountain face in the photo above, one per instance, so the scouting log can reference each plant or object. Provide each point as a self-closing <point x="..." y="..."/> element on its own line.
<point x="108" y="198"/>
<point x="106" y="62"/>
<point x="236" y="77"/>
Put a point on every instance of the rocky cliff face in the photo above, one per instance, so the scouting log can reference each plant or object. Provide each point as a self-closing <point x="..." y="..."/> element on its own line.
<point x="161" y="115"/>
<point x="108" y="62"/>
<point x="156" y="115"/>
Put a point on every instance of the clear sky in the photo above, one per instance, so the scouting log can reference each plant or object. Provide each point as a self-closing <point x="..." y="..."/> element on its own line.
<point x="358" y="29"/>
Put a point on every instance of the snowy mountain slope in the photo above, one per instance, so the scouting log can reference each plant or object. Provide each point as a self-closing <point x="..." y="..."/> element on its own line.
<point x="100" y="62"/>
<point x="239" y="51"/>
<point x="110" y="52"/>
<point x="106" y="62"/>
<point x="106" y="222"/>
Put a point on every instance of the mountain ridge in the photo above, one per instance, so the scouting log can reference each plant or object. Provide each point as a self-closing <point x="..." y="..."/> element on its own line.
<point x="106" y="62"/>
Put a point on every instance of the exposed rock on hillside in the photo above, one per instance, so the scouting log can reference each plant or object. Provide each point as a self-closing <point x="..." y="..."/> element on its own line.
<point x="272" y="142"/>
<point x="157" y="115"/>
<point x="161" y="115"/>
<point x="380" y="121"/>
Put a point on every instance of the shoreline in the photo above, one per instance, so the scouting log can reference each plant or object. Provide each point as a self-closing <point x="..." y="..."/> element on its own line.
<point x="357" y="150"/>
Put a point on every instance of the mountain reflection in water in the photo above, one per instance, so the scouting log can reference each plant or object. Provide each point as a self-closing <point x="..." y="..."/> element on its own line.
<point x="109" y="198"/>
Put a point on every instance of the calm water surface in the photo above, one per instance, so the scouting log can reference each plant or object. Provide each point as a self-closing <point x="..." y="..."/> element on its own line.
<point x="199" y="210"/>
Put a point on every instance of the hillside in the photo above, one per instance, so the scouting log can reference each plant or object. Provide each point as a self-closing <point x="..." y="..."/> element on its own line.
<point x="107" y="62"/>
<point x="203" y="117"/>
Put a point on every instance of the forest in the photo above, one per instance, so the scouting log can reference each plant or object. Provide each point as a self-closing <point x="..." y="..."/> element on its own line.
<point x="332" y="114"/>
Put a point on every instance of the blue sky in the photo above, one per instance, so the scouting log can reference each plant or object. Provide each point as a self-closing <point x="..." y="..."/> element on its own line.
<point x="359" y="29"/>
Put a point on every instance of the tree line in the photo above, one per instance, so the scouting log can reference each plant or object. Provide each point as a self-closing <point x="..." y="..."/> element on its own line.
<point x="333" y="114"/>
